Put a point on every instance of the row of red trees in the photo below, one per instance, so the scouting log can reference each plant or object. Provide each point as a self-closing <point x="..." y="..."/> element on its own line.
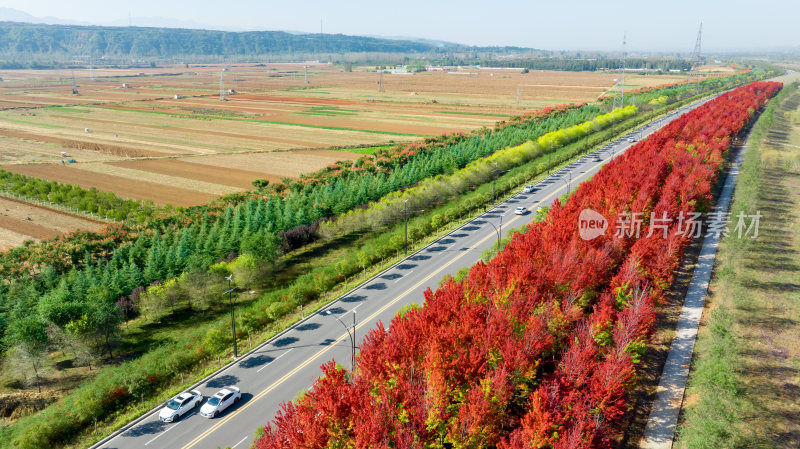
<point x="539" y="347"/>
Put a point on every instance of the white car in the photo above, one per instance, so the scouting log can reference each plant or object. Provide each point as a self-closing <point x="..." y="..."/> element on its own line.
<point x="220" y="401"/>
<point x="520" y="211"/>
<point x="528" y="189"/>
<point x="179" y="405"/>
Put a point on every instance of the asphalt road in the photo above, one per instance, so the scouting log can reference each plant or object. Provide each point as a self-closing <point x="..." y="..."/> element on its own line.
<point x="282" y="367"/>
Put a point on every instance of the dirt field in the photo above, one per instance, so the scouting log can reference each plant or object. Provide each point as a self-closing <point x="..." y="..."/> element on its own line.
<point x="143" y="190"/>
<point x="186" y="181"/>
<point x="21" y="221"/>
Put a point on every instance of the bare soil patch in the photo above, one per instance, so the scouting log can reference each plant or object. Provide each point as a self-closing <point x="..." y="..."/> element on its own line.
<point x="279" y="163"/>
<point x="126" y="188"/>
<point x="192" y="170"/>
<point x="10" y="239"/>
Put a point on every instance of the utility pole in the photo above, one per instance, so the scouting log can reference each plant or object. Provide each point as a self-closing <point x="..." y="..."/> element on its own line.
<point x="233" y="319"/>
<point x="222" y="86"/>
<point x="519" y="88"/>
<point x="305" y="72"/>
<point x="696" y="59"/>
<point x="380" y="81"/>
<point x="622" y="73"/>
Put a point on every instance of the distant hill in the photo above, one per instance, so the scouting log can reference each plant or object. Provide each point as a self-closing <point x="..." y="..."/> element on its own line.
<point x="22" y="42"/>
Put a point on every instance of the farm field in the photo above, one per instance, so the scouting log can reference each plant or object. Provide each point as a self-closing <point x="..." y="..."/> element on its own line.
<point x="20" y="221"/>
<point x="164" y="135"/>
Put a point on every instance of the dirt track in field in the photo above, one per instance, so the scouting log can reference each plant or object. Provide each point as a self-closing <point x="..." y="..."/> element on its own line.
<point x="141" y="190"/>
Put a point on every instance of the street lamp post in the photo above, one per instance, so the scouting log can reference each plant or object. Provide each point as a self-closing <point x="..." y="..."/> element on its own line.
<point x="405" y="240"/>
<point x="569" y="185"/>
<point x="233" y="319"/>
<point x="497" y="173"/>
<point x="351" y="335"/>
<point x="499" y="231"/>
<point x="567" y="181"/>
<point x="406" y="212"/>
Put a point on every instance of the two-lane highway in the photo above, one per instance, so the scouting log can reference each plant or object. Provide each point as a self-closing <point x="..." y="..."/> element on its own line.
<point x="289" y="363"/>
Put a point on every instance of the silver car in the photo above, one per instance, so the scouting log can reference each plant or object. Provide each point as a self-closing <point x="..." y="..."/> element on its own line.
<point x="179" y="405"/>
<point x="220" y="401"/>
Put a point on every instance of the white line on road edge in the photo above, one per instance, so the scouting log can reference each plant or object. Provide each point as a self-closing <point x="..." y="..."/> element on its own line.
<point x="162" y="433"/>
<point x="240" y="442"/>
<point x="276" y="358"/>
<point x="660" y="429"/>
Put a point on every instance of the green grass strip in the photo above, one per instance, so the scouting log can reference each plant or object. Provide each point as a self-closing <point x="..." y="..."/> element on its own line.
<point x="24" y="122"/>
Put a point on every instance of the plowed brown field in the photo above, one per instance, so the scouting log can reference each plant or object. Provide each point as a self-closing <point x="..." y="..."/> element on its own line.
<point x="21" y="221"/>
<point x="143" y="190"/>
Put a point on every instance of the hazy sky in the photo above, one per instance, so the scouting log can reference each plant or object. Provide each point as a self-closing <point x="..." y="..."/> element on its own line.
<point x="553" y="24"/>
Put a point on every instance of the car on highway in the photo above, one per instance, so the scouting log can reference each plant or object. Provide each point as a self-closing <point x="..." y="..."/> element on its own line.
<point x="528" y="189"/>
<point x="179" y="405"/>
<point x="521" y="210"/>
<point x="220" y="401"/>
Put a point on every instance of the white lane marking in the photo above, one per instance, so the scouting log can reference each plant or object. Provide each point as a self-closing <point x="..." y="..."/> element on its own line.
<point x="162" y="433"/>
<point x="259" y="370"/>
<point x="240" y="442"/>
<point x="352" y="311"/>
<point x="401" y="277"/>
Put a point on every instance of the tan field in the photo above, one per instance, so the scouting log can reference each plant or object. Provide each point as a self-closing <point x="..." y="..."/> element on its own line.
<point x="20" y="221"/>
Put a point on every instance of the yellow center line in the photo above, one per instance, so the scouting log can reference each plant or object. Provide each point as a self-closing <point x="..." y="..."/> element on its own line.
<point x="365" y="322"/>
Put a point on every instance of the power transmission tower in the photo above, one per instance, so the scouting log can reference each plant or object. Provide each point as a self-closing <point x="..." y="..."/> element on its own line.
<point x="222" y="86"/>
<point x="305" y="72"/>
<point x="519" y="91"/>
<point x="696" y="59"/>
<point x="91" y="72"/>
<point x="74" y="84"/>
<point x="380" y="82"/>
<point x="622" y="77"/>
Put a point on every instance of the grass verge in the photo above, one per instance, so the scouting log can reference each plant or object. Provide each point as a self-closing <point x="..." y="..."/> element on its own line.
<point x="745" y="379"/>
